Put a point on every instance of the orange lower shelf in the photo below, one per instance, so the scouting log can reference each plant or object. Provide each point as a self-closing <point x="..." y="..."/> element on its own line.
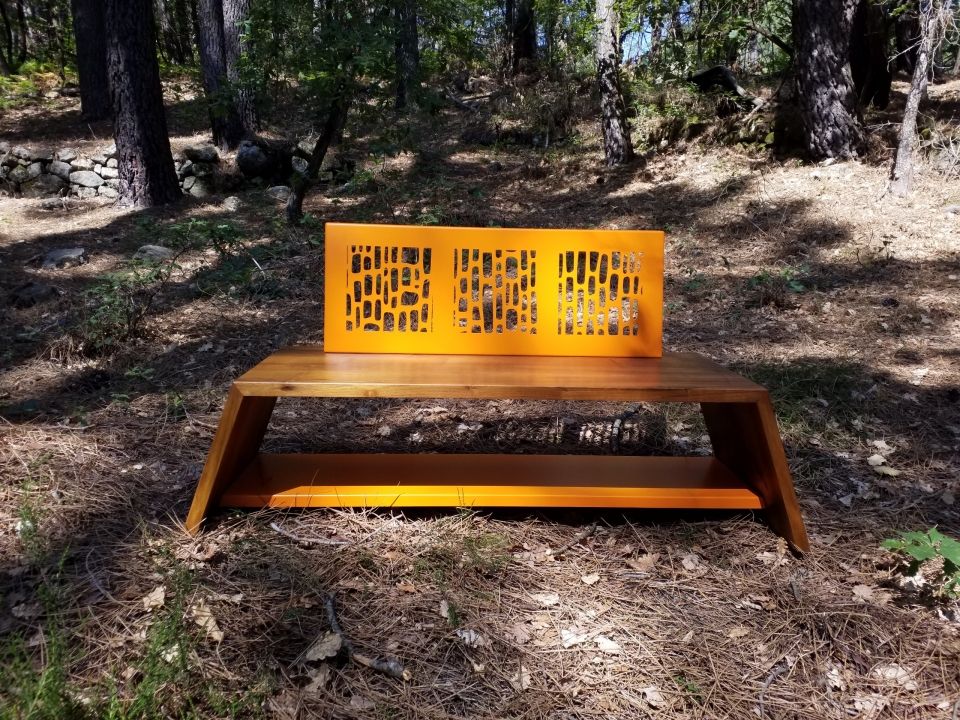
<point x="425" y="480"/>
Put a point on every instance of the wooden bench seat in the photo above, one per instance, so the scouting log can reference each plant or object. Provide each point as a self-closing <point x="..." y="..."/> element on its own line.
<point x="748" y="470"/>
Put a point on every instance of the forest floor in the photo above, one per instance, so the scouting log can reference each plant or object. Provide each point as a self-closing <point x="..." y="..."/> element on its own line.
<point x="842" y="300"/>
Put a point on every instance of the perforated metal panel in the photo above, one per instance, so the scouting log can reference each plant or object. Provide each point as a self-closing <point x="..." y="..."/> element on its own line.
<point x="493" y="291"/>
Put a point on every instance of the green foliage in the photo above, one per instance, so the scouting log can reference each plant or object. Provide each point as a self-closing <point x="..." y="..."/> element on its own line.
<point x="934" y="551"/>
<point x="774" y="287"/>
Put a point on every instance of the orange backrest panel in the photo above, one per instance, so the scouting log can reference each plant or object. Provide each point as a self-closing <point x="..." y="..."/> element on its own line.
<point x="493" y="291"/>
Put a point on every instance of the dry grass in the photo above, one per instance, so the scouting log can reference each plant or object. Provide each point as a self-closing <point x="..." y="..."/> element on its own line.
<point x="842" y="302"/>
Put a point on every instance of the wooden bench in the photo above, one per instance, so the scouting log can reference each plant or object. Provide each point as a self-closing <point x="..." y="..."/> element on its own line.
<point x="431" y="312"/>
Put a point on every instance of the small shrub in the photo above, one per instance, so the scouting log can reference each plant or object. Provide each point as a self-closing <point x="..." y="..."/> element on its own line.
<point x="934" y="553"/>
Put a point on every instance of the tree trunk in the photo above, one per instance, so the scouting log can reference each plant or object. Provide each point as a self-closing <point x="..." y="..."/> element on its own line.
<point x="184" y="29"/>
<point x="331" y="128"/>
<point x="617" y="147"/>
<point x="224" y="120"/>
<point x="407" y="51"/>
<point x="524" y="34"/>
<point x="907" y="36"/>
<point x="88" y="31"/>
<point x="901" y="175"/>
<point x="235" y="13"/>
<point x="868" y="54"/>
<point x="145" y="162"/>
<point x="828" y="101"/>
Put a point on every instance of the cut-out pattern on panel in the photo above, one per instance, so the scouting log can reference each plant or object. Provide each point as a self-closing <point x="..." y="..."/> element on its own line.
<point x="388" y="288"/>
<point x="495" y="291"/>
<point x="599" y="293"/>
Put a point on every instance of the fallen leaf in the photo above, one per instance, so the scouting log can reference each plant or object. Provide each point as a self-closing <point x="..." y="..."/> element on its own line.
<point x="521" y="680"/>
<point x="589" y="579"/>
<point x="897" y="674"/>
<point x="26" y="611"/>
<point x="205" y="619"/>
<point x="478" y="667"/>
<point x="863" y="593"/>
<point x="886" y="470"/>
<point x="875" y="460"/>
<point x="171" y="654"/>
<point x="834" y="679"/>
<point x="644" y="563"/>
<point x="691" y="561"/>
<point x="519" y="633"/>
<point x="319" y="679"/>
<point x="737" y="632"/>
<point x="444" y="609"/>
<point x="572" y="636"/>
<point x="361" y="703"/>
<point x="546" y="599"/>
<point x="406" y="586"/>
<point x="326" y="646"/>
<point x="155" y="599"/>
<point x="384" y="431"/>
<point x="870" y="706"/>
<point x="882" y="446"/>
<point x="471" y="638"/>
<point x="608" y="646"/>
<point x="653" y="696"/>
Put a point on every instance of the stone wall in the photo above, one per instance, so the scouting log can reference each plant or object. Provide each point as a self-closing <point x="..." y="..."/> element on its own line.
<point x="30" y="173"/>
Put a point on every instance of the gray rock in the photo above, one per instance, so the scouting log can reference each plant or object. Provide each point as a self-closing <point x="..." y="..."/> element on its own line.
<point x="55" y="203"/>
<point x="232" y="203"/>
<point x="60" y="169"/>
<point x="19" y="174"/>
<point x="98" y="168"/>
<point x="186" y="170"/>
<point x="202" y="154"/>
<point x="107" y="192"/>
<point x="84" y="193"/>
<point x="31" y="293"/>
<point x="112" y="182"/>
<point x="99" y="159"/>
<point x="4" y="147"/>
<point x="51" y="94"/>
<point x="21" y="152"/>
<point x="34" y="170"/>
<point x="112" y="162"/>
<point x="200" y="188"/>
<point x="111" y="150"/>
<point x="82" y="163"/>
<point x="952" y="209"/>
<point x="44" y="185"/>
<point x="109" y="172"/>
<point x="188" y="182"/>
<point x="43" y="156"/>
<point x="253" y="161"/>
<point x="300" y="165"/>
<point x="306" y="145"/>
<point x="85" y="178"/>
<point x="153" y="252"/>
<point x="280" y="193"/>
<point x="64" y="257"/>
<point x="66" y="154"/>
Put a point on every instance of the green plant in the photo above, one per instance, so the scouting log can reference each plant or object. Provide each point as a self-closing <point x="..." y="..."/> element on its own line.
<point x="934" y="552"/>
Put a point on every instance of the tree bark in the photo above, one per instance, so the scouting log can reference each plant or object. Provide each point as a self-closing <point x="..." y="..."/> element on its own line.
<point x="868" y="54"/>
<point x="145" y="162"/>
<point x="232" y="114"/>
<point x="89" y="28"/>
<point x="331" y="128"/>
<point x="828" y="100"/>
<point x="235" y="13"/>
<point x="407" y="51"/>
<point x="901" y="174"/>
<point x="524" y="34"/>
<point x="617" y="147"/>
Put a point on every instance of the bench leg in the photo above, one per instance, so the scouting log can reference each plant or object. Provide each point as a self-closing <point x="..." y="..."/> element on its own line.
<point x="745" y="438"/>
<point x="242" y="425"/>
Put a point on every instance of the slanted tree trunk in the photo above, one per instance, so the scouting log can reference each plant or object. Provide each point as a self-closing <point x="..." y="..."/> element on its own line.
<point x="407" y="51"/>
<point x="524" y="34"/>
<point x="617" y="147"/>
<point x="88" y="31"/>
<point x="901" y="175"/>
<point x="144" y="159"/>
<point x="235" y="13"/>
<point x="331" y="128"/>
<point x="828" y="100"/>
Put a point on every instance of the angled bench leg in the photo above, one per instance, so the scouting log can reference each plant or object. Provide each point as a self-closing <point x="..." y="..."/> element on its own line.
<point x="242" y="425"/>
<point x="745" y="438"/>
